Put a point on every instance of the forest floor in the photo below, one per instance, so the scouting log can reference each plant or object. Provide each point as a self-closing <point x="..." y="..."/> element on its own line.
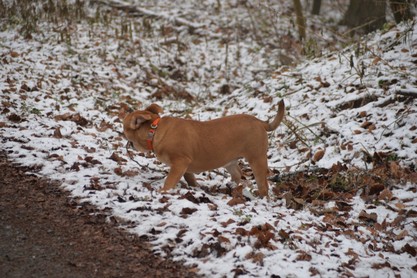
<point x="343" y="194"/>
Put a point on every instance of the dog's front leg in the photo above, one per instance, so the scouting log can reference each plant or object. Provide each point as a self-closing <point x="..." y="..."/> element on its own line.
<point x="178" y="169"/>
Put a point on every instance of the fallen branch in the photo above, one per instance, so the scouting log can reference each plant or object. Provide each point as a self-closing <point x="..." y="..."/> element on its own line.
<point x="133" y="9"/>
<point x="407" y="93"/>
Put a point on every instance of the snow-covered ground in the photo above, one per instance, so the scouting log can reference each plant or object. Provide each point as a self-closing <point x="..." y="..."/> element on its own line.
<point x="65" y="90"/>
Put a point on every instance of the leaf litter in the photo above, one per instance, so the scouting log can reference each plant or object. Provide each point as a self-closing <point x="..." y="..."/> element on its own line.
<point x="343" y="179"/>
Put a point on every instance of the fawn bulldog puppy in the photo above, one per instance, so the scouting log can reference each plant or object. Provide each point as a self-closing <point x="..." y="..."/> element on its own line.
<point x="189" y="146"/>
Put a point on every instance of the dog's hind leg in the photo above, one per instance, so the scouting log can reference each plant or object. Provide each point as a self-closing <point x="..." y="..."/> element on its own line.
<point x="190" y="179"/>
<point x="260" y="170"/>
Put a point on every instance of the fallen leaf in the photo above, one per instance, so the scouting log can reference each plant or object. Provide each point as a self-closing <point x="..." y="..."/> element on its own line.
<point x="318" y="155"/>
<point x="284" y="235"/>
<point x="369" y="217"/>
<point x="362" y="114"/>
<point x="118" y="171"/>
<point x="227" y="223"/>
<point x="188" y="211"/>
<point x="304" y="256"/>
<point x="385" y="195"/>
<point x="223" y="239"/>
<point x="381" y="265"/>
<point x="15" y="118"/>
<point x="104" y="126"/>
<point x="400" y="205"/>
<point x="402" y="235"/>
<point x="92" y="160"/>
<point x="75" y="166"/>
<point x="376" y="60"/>
<point x="256" y="257"/>
<point x="14" y="54"/>
<point x="314" y="271"/>
<point x="90" y="150"/>
<point x="130" y="173"/>
<point x="115" y="157"/>
<point x="241" y="231"/>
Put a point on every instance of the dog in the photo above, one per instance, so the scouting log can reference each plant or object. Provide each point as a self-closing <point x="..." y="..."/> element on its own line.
<point x="189" y="146"/>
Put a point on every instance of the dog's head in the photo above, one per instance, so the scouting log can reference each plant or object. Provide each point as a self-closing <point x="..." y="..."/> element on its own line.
<point x="134" y="121"/>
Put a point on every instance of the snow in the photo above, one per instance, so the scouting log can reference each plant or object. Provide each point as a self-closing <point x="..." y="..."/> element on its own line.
<point x="98" y="71"/>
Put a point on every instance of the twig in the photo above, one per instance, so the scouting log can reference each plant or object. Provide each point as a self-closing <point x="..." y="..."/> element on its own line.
<point x="128" y="145"/>
<point x="412" y="94"/>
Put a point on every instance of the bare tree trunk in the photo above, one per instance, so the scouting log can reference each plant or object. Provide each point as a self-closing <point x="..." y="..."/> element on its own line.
<point x="367" y="15"/>
<point x="301" y="23"/>
<point x="316" y="7"/>
<point x="400" y="9"/>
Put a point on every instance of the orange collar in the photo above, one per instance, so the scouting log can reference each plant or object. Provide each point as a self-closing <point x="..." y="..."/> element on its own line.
<point x="151" y="134"/>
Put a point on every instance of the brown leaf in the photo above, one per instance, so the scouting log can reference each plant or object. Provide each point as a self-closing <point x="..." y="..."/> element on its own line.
<point x="115" y="157"/>
<point x="238" y="197"/>
<point x="163" y="199"/>
<point x="241" y="231"/>
<point x="352" y="253"/>
<point x="304" y="256"/>
<point x="411" y="213"/>
<point x="118" y="171"/>
<point x="402" y="235"/>
<point x="395" y="169"/>
<point x="385" y="195"/>
<point x="223" y="239"/>
<point x="75" y="166"/>
<point x="190" y="197"/>
<point x="376" y="60"/>
<point x="188" y="211"/>
<point x="227" y="223"/>
<point x="235" y="201"/>
<point x="381" y="265"/>
<point x="375" y="188"/>
<point x="284" y="235"/>
<point x="314" y="271"/>
<point x="55" y="156"/>
<point x="366" y="124"/>
<point x="93" y="161"/>
<point x="131" y="173"/>
<point x="256" y="257"/>
<point x="57" y="133"/>
<point x="76" y="118"/>
<point x="369" y="217"/>
<point x="104" y="126"/>
<point x="362" y="114"/>
<point x="90" y="150"/>
<point x="14" y="54"/>
<point x="14" y="118"/>
<point x="318" y="155"/>
<point x="95" y="183"/>
<point x="400" y="206"/>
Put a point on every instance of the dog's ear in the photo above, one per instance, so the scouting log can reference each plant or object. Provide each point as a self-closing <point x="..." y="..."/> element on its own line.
<point x="136" y="120"/>
<point x="154" y="108"/>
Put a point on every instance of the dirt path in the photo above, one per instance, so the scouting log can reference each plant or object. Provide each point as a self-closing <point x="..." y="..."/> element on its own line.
<point x="43" y="233"/>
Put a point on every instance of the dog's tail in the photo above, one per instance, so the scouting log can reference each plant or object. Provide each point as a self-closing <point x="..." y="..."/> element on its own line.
<point x="278" y="118"/>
